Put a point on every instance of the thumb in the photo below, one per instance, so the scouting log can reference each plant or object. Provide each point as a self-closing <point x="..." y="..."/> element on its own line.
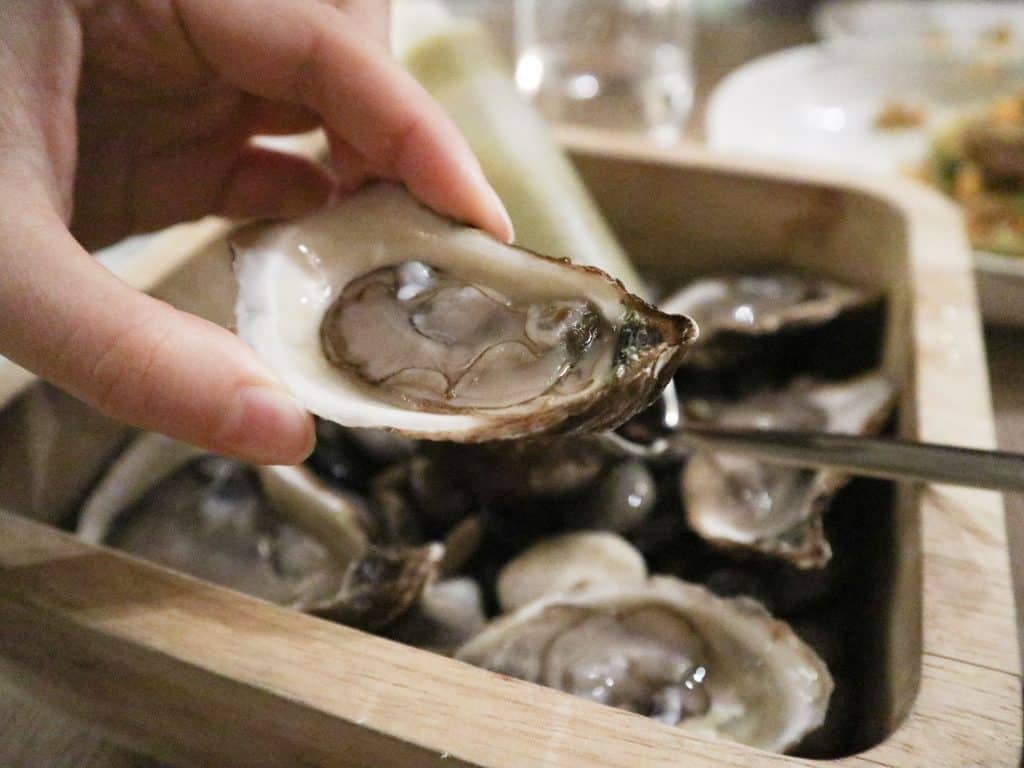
<point x="139" y="360"/>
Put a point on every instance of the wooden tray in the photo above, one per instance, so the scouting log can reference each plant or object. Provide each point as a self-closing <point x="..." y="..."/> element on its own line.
<point x="200" y="675"/>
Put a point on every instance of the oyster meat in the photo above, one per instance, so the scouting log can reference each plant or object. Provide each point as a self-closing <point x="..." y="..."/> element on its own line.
<point x="739" y="502"/>
<point x="379" y="313"/>
<point x="671" y="650"/>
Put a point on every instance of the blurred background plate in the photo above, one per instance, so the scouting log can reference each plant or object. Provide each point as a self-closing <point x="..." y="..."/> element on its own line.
<point x="819" y="104"/>
<point x="992" y="28"/>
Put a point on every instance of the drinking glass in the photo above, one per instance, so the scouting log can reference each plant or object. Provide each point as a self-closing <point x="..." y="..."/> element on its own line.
<point x="618" y="64"/>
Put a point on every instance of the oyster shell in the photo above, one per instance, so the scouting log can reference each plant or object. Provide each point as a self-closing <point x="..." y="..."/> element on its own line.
<point x="397" y="519"/>
<point x="380" y="586"/>
<point x="55" y="449"/>
<point x="735" y="501"/>
<point x="337" y="519"/>
<point x="447" y="615"/>
<point x="208" y="517"/>
<point x="506" y="470"/>
<point x="379" y="313"/>
<point x="567" y="562"/>
<point x="295" y="493"/>
<point x="670" y="650"/>
<point x="144" y="463"/>
<point x="733" y="311"/>
<point x="621" y="500"/>
<point x="382" y="446"/>
<point x="280" y="533"/>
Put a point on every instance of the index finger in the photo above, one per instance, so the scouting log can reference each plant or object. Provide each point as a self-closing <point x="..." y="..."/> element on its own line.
<point x="312" y="53"/>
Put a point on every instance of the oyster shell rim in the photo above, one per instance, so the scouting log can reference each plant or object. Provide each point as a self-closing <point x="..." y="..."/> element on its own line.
<point x="803" y="314"/>
<point x="580" y="554"/>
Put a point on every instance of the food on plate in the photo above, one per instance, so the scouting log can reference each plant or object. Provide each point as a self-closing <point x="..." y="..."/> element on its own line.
<point x="898" y="115"/>
<point x="978" y="159"/>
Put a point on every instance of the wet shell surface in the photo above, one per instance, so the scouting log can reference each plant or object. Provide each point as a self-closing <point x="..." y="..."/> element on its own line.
<point x="735" y="501"/>
<point x="206" y="516"/>
<point x="337" y="519"/>
<point x="568" y="562"/>
<point x="145" y="462"/>
<point x="734" y="311"/>
<point x="280" y="533"/>
<point x="670" y="650"/>
<point x="761" y="304"/>
<point x="377" y="312"/>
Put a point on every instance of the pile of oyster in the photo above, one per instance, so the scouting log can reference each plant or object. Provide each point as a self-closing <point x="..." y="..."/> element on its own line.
<point x="705" y="594"/>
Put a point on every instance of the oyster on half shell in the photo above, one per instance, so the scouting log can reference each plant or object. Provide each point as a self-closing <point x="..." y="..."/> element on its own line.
<point x="280" y="533"/>
<point x="377" y="312"/>
<point x="671" y="650"/>
<point x="738" y="502"/>
<point x="739" y="310"/>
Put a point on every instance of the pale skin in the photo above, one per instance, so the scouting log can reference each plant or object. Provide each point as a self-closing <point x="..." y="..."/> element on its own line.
<point x="126" y="116"/>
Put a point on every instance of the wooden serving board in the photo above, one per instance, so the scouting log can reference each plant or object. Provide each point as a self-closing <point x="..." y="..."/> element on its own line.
<point x="199" y="675"/>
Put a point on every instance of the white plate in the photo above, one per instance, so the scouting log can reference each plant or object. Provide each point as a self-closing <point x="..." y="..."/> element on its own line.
<point x="817" y="104"/>
<point x="960" y="26"/>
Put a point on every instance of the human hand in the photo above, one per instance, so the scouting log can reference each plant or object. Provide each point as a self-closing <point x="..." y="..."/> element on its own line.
<point x="119" y="116"/>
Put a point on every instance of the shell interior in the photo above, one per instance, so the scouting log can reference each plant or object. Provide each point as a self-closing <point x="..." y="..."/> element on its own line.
<point x="777" y="510"/>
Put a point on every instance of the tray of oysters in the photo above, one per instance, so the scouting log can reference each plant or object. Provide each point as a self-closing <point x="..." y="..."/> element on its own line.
<point x="460" y="498"/>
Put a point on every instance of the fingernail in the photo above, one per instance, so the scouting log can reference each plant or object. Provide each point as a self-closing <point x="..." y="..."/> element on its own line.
<point x="502" y="222"/>
<point x="267" y="426"/>
<point x="506" y="220"/>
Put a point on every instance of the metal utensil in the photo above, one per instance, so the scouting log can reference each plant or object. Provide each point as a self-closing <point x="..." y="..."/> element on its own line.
<point x="887" y="458"/>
